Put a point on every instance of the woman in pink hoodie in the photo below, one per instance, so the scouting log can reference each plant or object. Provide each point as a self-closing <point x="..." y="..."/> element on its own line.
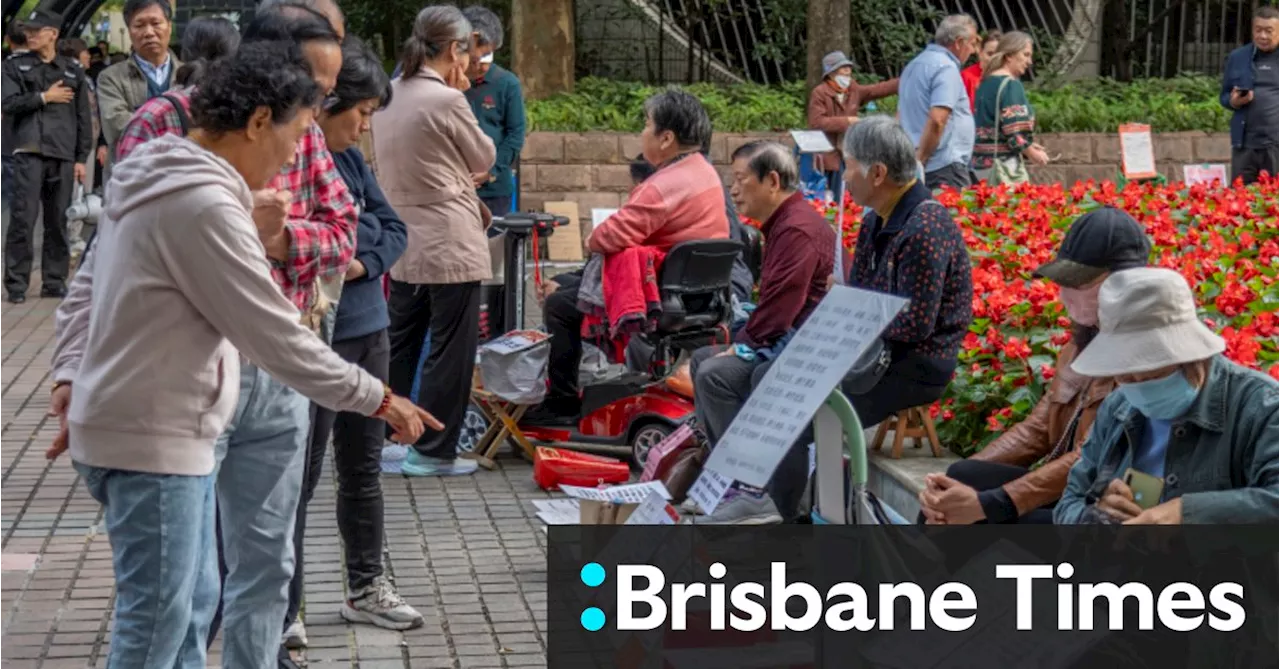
<point x="181" y="290"/>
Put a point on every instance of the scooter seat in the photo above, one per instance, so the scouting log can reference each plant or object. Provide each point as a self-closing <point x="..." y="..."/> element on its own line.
<point x="680" y="381"/>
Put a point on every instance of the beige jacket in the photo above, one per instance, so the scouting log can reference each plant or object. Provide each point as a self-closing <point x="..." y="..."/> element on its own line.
<point x="122" y="88"/>
<point x="176" y="288"/>
<point x="427" y="144"/>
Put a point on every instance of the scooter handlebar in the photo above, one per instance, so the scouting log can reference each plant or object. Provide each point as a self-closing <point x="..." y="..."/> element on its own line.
<point x="527" y="220"/>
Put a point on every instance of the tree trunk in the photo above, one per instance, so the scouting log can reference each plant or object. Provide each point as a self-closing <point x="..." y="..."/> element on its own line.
<point x="542" y="46"/>
<point x="828" y="30"/>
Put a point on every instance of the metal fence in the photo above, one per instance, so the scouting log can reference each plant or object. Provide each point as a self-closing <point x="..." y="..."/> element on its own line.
<point x="681" y="41"/>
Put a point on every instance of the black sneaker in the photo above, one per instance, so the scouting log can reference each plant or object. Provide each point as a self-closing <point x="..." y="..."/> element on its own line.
<point x="58" y="293"/>
<point x="545" y="416"/>
<point x="17" y="298"/>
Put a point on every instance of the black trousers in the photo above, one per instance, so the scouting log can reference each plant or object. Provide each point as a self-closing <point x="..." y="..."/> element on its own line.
<point x="981" y="475"/>
<point x="357" y="456"/>
<point x="451" y="312"/>
<point x="955" y="175"/>
<point x="898" y="389"/>
<point x="1249" y="164"/>
<point x="564" y="323"/>
<point x="47" y="183"/>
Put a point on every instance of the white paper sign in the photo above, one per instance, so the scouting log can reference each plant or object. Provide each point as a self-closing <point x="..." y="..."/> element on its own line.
<point x="813" y="363"/>
<point x="508" y="344"/>
<point x="558" y="511"/>
<point x="654" y="510"/>
<point x="1205" y="174"/>
<point x="709" y="489"/>
<point x="812" y="141"/>
<point x="634" y="493"/>
<point x="598" y="216"/>
<point x="1136" y="151"/>
<point x="660" y="451"/>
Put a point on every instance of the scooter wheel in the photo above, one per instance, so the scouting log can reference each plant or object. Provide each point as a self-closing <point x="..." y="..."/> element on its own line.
<point x="474" y="425"/>
<point x="644" y="438"/>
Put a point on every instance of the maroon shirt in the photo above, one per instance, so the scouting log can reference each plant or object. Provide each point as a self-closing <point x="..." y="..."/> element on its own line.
<point x="799" y="255"/>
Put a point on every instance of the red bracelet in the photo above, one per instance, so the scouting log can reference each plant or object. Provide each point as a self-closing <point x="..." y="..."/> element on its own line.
<point x="386" y="402"/>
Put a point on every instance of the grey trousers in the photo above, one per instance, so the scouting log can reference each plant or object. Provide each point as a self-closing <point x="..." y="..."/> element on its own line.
<point x="721" y="385"/>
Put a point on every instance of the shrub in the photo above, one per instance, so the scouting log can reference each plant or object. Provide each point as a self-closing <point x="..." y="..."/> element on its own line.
<point x="1185" y="103"/>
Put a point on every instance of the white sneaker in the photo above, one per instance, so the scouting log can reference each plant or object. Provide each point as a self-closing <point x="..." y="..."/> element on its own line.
<point x="380" y="605"/>
<point x="743" y="508"/>
<point x="295" y="638"/>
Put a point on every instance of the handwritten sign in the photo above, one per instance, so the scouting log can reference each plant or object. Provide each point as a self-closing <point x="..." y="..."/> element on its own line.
<point x="1205" y="174"/>
<point x="654" y="510"/>
<point x="709" y="489"/>
<point x="812" y="141"/>
<point x="663" y="449"/>
<point x="1137" y="156"/>
<point x="634" y="493"/>
<point x="813" y="363"/>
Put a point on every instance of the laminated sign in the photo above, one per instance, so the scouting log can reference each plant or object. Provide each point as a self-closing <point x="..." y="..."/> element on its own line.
<point x="813" y="363"/>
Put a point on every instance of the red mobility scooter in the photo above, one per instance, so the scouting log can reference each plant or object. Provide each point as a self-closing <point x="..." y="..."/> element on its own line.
<point x="627" y="415"/>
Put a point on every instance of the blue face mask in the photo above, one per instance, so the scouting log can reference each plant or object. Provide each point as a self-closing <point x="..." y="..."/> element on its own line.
<point x="1162" y="399"/>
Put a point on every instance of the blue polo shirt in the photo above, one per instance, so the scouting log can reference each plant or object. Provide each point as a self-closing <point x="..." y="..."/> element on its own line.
<point x="930" y="80"/>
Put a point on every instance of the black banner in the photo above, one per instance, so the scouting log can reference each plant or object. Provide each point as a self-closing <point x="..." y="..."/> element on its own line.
<point x="995" y="597"/>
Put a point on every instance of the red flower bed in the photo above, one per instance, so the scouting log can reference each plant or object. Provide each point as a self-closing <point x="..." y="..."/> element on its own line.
<point x="1223" y="240"/>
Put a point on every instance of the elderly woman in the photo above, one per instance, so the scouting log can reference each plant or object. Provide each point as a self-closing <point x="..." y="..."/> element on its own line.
<point x="682" y="200"/>
<point x="360" y="337"/>
<point x="428" y="144"/>
<point x="834" y="104"/>
<point x="150" y="403"/>
<point x="1005" y="122"/>
<point x="1188" y="436"/>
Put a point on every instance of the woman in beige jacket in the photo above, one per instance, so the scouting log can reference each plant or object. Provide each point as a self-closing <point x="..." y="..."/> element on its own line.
<point x="428" y="145"/>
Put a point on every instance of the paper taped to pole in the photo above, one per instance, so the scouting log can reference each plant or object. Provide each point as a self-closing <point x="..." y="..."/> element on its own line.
<point x="810" y="367"/>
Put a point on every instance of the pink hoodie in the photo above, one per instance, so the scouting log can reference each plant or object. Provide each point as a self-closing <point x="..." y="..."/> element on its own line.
<point x="149" y="332"/>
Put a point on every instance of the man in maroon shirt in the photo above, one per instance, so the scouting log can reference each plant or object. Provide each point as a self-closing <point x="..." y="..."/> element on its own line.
<point x="799" y="254"/>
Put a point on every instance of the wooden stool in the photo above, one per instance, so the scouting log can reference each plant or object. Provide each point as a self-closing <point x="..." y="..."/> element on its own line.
<point x="504" y="421"/>
<point x="914" y="423"/>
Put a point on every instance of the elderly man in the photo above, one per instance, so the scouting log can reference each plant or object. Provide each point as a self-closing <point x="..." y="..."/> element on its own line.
<point x="148" y="72"/>
<point x="498" y="104"/>
<point x="1250" y="91"/>
<point x="1188" y="436"/>
<point x="799" y="256"/>
<point x="682" y="201"/>
<point x="934" y="108"/>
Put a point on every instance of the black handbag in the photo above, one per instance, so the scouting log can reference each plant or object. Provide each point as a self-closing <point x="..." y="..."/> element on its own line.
<point x="867" y="370"/>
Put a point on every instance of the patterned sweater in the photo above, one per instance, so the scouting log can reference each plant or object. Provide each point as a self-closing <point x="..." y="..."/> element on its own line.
<point x="919" y="254"/>
<point x="1017" y="121"/>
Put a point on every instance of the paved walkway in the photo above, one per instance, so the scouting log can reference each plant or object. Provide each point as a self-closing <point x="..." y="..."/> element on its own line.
<point x="468" y="553"/>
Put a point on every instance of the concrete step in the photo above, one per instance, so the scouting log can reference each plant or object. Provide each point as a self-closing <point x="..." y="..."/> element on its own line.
<point x="898" y="482"/>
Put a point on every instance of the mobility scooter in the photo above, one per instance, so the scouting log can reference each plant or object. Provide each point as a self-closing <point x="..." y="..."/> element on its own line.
<point x="628" y="415"/>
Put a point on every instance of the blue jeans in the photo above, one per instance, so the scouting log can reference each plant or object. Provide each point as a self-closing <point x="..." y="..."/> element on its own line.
<point x="165" y="558"/>
<point x="260" y="458"/>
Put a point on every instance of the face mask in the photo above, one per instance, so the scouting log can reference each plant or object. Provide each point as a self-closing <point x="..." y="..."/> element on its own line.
<point x="1162" y="399"/>
<point x="843" y="81"/>
<point x="1081" y="304"/>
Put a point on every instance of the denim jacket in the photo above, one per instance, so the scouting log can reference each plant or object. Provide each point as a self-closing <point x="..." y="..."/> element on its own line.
<point x="1238" y="73"/>
<point x="1222" y="455"/>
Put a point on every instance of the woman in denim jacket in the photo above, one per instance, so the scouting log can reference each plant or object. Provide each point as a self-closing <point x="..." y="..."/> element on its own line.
<point x="1198" y="428"/>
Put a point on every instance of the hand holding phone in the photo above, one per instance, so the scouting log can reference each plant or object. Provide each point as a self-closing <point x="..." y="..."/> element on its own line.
<point x="1146" y="488"/>
<point x="1241" y="97"/>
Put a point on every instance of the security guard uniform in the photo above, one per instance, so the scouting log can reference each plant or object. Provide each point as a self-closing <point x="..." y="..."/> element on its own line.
<point x="47" y="141"/>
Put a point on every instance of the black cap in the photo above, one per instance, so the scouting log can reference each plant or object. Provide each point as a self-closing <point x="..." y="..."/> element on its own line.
<point x="42" y="19"/>
<point x="1102" y="241"/>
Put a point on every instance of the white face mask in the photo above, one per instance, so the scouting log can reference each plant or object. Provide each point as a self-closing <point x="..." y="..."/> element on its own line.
<point x="843" y="81"/>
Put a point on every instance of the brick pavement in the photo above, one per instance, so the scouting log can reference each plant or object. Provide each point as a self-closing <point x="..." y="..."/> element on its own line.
<point x="468" y="552"/>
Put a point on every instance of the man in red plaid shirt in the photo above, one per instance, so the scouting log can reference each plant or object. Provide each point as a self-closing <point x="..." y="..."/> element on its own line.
<point x="261" y="453"/>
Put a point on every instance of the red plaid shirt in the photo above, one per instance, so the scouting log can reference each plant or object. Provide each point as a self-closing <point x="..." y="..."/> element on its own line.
<point x="322" y="217"/>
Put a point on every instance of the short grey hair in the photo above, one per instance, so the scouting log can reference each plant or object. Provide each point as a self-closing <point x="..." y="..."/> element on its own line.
<point x="764" y="157"/>
<point x="954" y="28"/>
<point x="487" y="24"/>
<point x="880" y="140"/>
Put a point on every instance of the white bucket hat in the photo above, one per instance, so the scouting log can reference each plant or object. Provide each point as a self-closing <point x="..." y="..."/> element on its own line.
<point x="1147" y="320"/>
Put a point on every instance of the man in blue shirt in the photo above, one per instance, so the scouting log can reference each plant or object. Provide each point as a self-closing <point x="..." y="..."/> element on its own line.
<point x="498" y="104"/>
<point x="933" y="106"/>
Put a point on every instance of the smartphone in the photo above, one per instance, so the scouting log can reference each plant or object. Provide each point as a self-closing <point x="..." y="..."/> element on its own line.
<point x="1146" y="488"/>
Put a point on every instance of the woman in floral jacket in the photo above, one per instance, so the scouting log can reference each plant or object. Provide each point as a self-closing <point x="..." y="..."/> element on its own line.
<point x="1005" y="121"/>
